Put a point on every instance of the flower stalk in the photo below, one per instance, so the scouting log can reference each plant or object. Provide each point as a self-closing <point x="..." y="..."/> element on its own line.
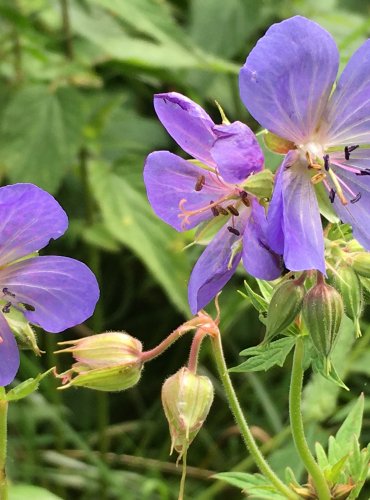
<point x="296" y="422"/>
<point x="245" y="431"/>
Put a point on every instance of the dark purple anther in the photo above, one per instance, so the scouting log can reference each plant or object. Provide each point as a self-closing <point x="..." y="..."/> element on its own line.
<point x="7" y="307"/>
<point x="232" y="210"/>
<point x="200" y="183"/>
<point x="244" y="198"/>
<point x="233" y="230"/>
<point x="332" y="195"/>
<point x="222" y="210"/>
<point x="214" y="210"/>
<point x="366" y="171"/>
<point x="326" y="162"/>
<point x="357" y="198"/>
<point x="348" y="150"/>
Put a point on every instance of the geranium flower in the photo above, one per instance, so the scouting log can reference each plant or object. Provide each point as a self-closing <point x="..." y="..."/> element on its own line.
<point x="185" y="193"/>
<point x="287" y="86"/>
<point x="52" y="292"/>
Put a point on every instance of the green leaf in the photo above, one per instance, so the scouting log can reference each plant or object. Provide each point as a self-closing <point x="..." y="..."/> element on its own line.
<point x="350" y="427"/>
<point x="27" y="387"/>
<point x="258" y="302"/>
<point x="29" y="492"/>
<point x="40" y="133"/>
<point x="319" y="365"/>
<point x="326" y="208"/>
<point x="263" y="357"/>
<point x="255" y="485"/>
<point x="260" y="184"/>
<point x="129" y="218"/>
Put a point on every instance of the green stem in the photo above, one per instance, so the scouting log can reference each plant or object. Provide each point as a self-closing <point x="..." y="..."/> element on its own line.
<point x="296" y="422"/>
<point x="242" y="423"/>
<point x="3" y="444"/>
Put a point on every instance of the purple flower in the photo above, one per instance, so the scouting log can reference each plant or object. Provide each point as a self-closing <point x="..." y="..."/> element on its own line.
<point x="185" y="193"/>
<point x="52" y="292"/>
<point x="287" y="85"/>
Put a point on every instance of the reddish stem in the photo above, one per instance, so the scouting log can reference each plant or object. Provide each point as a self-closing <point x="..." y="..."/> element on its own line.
<point x="195" y="349"/>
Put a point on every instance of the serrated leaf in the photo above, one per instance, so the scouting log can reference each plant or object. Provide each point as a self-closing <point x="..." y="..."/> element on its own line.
<point x="129" y="218"/>
<point x="322" y="459"/>
<point x="263" y="357"/>
<point x="27" y="387"/>
<point x="350" y="427"/>
<point x="40" y="133"/>
<point x="255" y="485"/>
<point x="258" y="302"/>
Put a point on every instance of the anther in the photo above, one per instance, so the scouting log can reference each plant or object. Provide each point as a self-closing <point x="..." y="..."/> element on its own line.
<point x="233" y="230"/>
<point x="28" y="307"/>
<point x="214" y="209"/>
<point x="366" y="171"/>
<point x="232" y="210"/>
<point x="348" y="150"/>
<point x="200" y="183"/>
<point x="315" y="179"/>
<point x="326" y="162"/>
<point x="244" y="198"/>
<point x="222" y="210"/>
<point x="356" y="198"/>
<point x="6" y="291"/>
<point x="7" y="307"/>
<point x="332" y="195"/>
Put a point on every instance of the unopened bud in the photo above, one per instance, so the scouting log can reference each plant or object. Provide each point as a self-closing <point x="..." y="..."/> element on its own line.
<point x="106" y="362"/>
<point x="186" y="399"/>
<point x="348" y="285"/>
<point x="285" y="304"/>
<point x="360" y="263"/>
<point x="322" y="313"/>
<point x="277" y="144"/>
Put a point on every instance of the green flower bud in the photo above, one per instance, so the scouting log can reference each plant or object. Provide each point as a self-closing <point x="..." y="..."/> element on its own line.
<point x="360" y="263"/>
<point x="186" y="400"/>
<point x="277" y="144"/>
<point x="106" y="362"/>
<point x="349" y="286"/>
<point x="322" y="313"/>
<point x="285" y="304"/>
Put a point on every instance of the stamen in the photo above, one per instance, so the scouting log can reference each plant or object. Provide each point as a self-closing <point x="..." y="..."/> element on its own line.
<point x="6" y="291"/>
<point x="200" y="183"/>
<point x="28" y="307"/>
<point x="233" y="230"/>
<point x="222" y="210"/>
<point x="356" y="198"/>
<point x="366" y="171"/>
<point x="311" y="164"/>
<point x="7" y="307"/>
<point x="326" y="162"/>
<point x="318" y="178"/>
<point x="338" y="188"/>
<point x="348" y="150"/>
<point x="232" y="210"/>
<point x="332" y="195"/>
<point x="244" y="198"/>
<point x="214" y="209"/>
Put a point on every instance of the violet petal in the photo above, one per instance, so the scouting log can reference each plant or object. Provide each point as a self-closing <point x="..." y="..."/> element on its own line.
<point x="62" y="291"/>
<point x="9" y="353"/>
<point x="236" y="152"/>
<point x="288" y="76"/>
<point x="187" y="123"/>
<point x="29" y="218"/>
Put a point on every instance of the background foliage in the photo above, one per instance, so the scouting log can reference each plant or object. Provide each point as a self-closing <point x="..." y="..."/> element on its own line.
<point x="76" y="84"/>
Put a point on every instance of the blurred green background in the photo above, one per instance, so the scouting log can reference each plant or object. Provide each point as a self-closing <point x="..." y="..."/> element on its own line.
<point x="77" y="79"/>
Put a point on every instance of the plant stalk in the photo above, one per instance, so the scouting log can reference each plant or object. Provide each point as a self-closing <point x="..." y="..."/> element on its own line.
<point x="296" y="422"/>
<point x="242" y="423"/>
<point x="3" y="444"/>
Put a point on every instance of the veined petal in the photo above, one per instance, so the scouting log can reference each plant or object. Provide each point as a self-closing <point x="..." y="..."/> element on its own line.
<point x="275" y="215"/>
<point x="62" y="291"/>
<point x="9" y="353"/>
<point x="213" y="270"/>
<point x="258" y="258"/>
<point x="187" y="123"/>
<point x="236" y="152"/>
<point x="303" y="236"/>
<point x="347" y="119"/>
<point x="356" y="214"/>
<point x="29" y="218"/>
<point x="288" y="76"/>
<point x="170" y="179"/>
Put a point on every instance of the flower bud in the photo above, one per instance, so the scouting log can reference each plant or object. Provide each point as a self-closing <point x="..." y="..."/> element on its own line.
<point x="348" y="285"/>
<point x="322" y="313"/>
<point x="186" y="399"/>
<point x="106" y="362"/>
<point x="360" y="263"/>
<point x="286" y="303"/>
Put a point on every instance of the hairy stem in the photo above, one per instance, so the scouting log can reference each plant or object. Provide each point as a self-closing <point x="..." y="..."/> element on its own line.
<point x="296" y="422"/>
<point x="242" y="423"/>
